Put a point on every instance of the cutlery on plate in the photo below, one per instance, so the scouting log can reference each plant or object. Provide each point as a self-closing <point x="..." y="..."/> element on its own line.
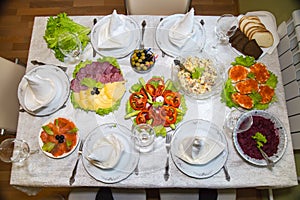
<point x="168" y="147"/>
<point x="35" y="62"/>
<point x="94" y="52"/>
<point x="270" y="162"/>
<point x="142" y="46"/>
<point x="72" y="178"/>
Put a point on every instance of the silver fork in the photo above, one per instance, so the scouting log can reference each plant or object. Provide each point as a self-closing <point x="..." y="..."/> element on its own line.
<point x="142" y="46"/>
<point x="168" y="147"/>
<point x="72" y="178"/>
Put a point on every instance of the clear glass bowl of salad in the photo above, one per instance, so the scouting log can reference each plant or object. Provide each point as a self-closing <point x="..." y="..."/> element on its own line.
<point x="198" y="76"/>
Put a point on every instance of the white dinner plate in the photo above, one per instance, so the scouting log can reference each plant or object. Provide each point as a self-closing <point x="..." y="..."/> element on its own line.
<point x="132" y="44"/>
<point x="194" y="44"/>
<point x="201" y="128"/>
<point x="62" y="87"/>
<point x="269" y="21"/>
<point x="279" y="129"/>
<point x="41" y="142"/>
<point x="128" y="159"/>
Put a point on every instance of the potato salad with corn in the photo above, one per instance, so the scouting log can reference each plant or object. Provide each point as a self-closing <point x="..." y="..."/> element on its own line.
<point x="197" y="75"/>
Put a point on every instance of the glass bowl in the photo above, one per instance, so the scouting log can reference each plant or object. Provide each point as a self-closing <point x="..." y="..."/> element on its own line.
<point x="142" y="60"/>
<point x="198" y="76"/>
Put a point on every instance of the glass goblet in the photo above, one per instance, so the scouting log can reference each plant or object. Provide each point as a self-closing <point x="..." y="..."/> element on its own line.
<point x="226" y="26"/>
<point x="14" y="150"/>
<point x="70" y="46"/>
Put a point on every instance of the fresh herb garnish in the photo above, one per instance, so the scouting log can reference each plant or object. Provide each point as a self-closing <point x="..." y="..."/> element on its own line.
<point x="198" y="72"/>
<point x="260" y="139"/>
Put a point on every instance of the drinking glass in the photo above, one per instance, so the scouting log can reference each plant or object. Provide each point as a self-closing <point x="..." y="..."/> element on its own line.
<point x="14" y="150"/>
<point x="70" y="45"/>
<point x="143" y="135"/>
<point x="226" y="26"/>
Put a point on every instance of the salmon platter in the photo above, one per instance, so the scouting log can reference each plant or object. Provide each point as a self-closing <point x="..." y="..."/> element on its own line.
<point x="250" y="85"/>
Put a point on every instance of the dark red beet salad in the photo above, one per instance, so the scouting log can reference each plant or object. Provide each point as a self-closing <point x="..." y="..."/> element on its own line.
<point x="268" y="129"/>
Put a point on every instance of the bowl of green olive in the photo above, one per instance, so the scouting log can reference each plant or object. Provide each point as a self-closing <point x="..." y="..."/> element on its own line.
<point x="142" y="60"/>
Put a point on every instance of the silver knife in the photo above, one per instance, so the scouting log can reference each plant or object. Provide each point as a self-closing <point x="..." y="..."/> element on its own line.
<point x="94" y="22"/>
<point x="72" y="178"/>
<point x="35" y="62"/>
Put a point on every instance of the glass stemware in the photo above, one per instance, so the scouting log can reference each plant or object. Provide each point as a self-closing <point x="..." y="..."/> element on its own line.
<point x="226" y="26"/>
<point x="14" y="150"/>
<point x="70" y="45"/>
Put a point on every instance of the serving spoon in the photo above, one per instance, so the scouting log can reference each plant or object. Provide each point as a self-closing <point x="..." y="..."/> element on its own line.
<point x="270" y="162"/>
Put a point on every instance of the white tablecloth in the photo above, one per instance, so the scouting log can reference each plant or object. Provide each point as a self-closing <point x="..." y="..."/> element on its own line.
<point x="41" y="171"/>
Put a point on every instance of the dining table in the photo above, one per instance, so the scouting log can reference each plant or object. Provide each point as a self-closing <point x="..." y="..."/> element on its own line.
<point x="39" y="170"/>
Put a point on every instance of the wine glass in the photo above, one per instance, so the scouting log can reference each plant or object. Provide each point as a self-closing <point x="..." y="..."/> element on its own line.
<point x="14" y="150"/>
<point x="226" y="26"/>
<point x="70" y="46"/>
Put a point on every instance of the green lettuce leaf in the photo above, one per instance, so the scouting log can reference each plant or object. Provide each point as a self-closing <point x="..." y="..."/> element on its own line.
<point x="91" y="83"/>
<point x="227" y="91"/>
<point x="272" y="81"/>
<point x="63" y="24"/>
<point x="246" y="61"/>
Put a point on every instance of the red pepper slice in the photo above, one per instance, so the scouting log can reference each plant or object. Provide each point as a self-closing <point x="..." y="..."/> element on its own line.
<point x="159" y="90"/>
<point x="150" y="89"/>
<point x="138" y="100"/>
<point x="169" y="114"/>
<point x="172" y="98"/>
<point x="142" y="117"/>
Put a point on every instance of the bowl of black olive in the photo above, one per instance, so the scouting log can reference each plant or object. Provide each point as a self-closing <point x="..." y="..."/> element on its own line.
<point x="142" y="60"/>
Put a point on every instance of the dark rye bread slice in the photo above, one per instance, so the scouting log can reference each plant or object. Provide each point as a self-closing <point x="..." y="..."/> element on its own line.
<point x="241" y="42"/>
<point x="252" y="49"/>
<point x="236" y="34"/>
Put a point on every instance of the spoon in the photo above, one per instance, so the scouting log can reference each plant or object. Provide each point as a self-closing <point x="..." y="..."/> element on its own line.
<point x="270" y="162"/>
<point x="246" y="124"/>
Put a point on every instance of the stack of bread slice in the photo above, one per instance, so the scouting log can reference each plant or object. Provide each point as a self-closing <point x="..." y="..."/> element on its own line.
<point x="241" y="42"/>
<point x="253" y="28"/>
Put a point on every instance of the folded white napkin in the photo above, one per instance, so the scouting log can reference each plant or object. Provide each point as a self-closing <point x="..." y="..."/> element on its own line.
<point x="39" y="92"/>
<point x="107" y="151"/>
<point x="183" y="29"/>
<point x="208" y="151"/>
<point x="114" y="33"/>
